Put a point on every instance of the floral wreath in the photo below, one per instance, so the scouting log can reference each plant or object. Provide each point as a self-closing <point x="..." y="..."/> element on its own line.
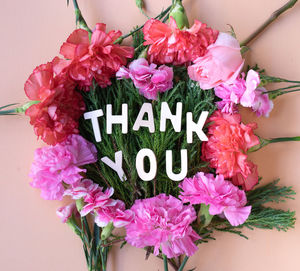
<point x="149" y="137"/>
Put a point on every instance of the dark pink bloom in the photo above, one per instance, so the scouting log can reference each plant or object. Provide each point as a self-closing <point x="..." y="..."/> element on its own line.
<point x="147" y="78"/>
<point x="164" y="223"/>
<point x="57" y="165"/>
<point x="168" y="44"/>
<point x="97" y="59"/>
<point x="222" y="196"/>
<point x="227" y="146"/>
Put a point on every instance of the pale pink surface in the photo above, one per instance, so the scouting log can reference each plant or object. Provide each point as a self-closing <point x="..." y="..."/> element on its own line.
<point x="163" y="222"/>
<point x="43" y="34"/>
<point x="55" y="165"/>
<point x="222" y="196"/>
<point x="222" y="63"/>
<point x="262" y="104"/>
<point x="149" y="79"/>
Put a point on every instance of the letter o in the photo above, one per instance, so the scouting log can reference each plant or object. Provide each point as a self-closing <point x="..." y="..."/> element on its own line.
<point x="139" y="163"/>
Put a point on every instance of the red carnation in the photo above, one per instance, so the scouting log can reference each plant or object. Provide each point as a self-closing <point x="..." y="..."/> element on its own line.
<point x="227" y="146"/>
<point x="169" y="44"/>
<point x="60" y="107"/>
<point x="97" y="59"/>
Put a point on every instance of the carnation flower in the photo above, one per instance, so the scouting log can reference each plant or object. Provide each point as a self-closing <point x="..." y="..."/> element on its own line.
<point x="221" y="63"/>
<point x="66" y="212"/>
<point x="57" y="165"/>
<point x="227" y="146"/>
<point x="165" y="223"/>
<point x="97" y="59"/>
<point x="240" y="91"/>
<point x="168" y="44"/>
<point x="96" y="200"/>
<point x="60" y="107"/>
<point x="147" y="78"/>
<point x="262" y="104"/>
<point x="222" y="196"/>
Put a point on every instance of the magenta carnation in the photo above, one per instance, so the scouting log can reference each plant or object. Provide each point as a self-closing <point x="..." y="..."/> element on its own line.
<point x="262" y="105"/>
<point x="165" y="223"/>
<point x="222" y="196"/>
<point x="59" y="164"/>
<point x="96" y="200"/>
<point x="147" y="78"/>
<point x="240" y="91"/>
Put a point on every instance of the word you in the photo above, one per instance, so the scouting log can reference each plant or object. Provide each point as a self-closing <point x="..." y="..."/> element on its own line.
<point x="146" y="110"/>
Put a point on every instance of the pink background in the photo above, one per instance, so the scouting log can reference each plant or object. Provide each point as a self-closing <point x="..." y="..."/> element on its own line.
<point x="32" y="238"/>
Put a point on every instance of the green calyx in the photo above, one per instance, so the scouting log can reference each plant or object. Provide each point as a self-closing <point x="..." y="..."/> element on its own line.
<point x="179" y="15"/>
<point x="204" y="216"/>
<point x="107" y="230"/>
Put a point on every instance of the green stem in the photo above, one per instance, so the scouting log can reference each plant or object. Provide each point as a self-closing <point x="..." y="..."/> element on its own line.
<point x="270" y="20"/>
<point x="80" y="21"/>
<point x="183" y="263"/>
<point x="165" y="263"/>
<point x="272" y="79"/>
<point x="159" y="16"/>
<point x="265" y="142"/>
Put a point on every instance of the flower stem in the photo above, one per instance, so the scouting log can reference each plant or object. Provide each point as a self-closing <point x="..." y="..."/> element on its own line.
<point x="80" y="21"/>
<point x="159" y="16"/>
<point x="183" y="263"/>
<point x="265" y="142"/>
<point x="270" y="20"/>
<point x="165" y="263"/>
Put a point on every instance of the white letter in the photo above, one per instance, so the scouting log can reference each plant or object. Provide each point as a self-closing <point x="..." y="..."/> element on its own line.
<point x="116" y="119"/>
<point x="191" y="126"/>
<point x="169" y="166"/>
<point x="166" y="114"/>
<point x="93" y="116"/>
<point x="116" y="166"/>
<point x="140" y="122"/>
<point x="139" y="163"/>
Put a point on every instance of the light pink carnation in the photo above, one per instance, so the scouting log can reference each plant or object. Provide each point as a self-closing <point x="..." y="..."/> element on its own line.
<point x="240" y="91"/>
<point x="222" y="196"/>
<point x="165" y="223"/>
<point x="100" y="203"/>
<point x="262" y="104"/>
<point x="59" y="164"/>
<point x="222" y="63"/>
<point x="147" y="78"/>
<point x="65" y="212"/>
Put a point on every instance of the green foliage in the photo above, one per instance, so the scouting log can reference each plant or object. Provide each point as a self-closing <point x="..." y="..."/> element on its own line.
<point x="194" y="100"/>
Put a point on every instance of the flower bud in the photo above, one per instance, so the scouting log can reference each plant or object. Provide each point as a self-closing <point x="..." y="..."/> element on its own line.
<point x="79" y="204"/>
<point x="106" y="231"/>
<point x="179" y="15"/>
<point x="204" y="215"/>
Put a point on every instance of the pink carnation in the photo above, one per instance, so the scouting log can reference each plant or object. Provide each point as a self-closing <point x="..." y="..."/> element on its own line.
<point x="227" y="146"/>
<point x="66" y="212"/>
<point x="97" y="59"/>
<point x="240" y="91"/>
<point x="222" y="196"/>
<point x="222" y="63"/>
<point x="147" y="78"/>
<point x="165" y="223"/>
<point x="262" y="104"/>
<point x="168" y="44"/>
<point x="59" y="164"/>
<point x="96" y="200"/>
